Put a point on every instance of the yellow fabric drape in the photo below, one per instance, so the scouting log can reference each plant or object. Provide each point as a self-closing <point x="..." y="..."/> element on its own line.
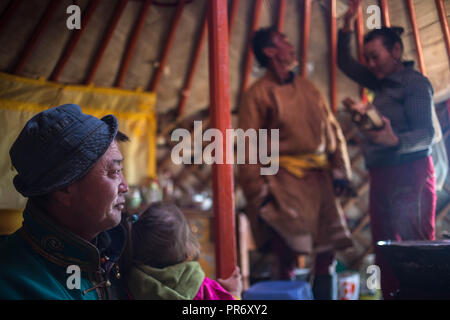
<point x="298" y="165"/>
<point x="21" y="98"/>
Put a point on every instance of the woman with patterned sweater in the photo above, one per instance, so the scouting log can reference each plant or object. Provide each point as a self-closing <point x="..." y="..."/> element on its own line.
<point x="398" y="157"/>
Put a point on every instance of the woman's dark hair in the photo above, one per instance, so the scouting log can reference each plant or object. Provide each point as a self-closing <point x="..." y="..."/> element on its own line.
<point x="262" y="39"/>
<point x="389" y="36"/>
<point x="162" y="237"/>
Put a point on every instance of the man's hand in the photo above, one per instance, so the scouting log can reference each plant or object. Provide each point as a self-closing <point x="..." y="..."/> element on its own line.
<point x="343" y="188"/>
<point x="385" y="136"/>
<point x="233" y="284"/>
<point x="341" y="184"/>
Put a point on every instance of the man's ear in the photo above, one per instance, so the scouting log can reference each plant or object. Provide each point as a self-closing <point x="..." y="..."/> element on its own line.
<point x="63" y="196"/>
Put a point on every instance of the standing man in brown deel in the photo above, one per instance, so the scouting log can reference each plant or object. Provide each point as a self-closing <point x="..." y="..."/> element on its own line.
<point x="295" y="211"/>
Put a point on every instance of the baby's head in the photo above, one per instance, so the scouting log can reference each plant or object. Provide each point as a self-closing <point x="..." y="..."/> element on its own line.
<point x="162" y="237"/>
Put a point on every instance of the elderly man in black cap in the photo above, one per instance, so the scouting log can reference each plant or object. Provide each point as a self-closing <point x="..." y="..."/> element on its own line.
<point x="70" y="168"/>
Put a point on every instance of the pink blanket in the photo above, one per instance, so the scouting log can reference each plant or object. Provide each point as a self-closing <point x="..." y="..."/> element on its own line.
<point x="212" y="290"/>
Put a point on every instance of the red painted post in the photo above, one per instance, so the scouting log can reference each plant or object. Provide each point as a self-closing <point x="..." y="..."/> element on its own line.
<point x="413" y="20"/>
<point x="305" y="38"/>
<point x="111" y="27"/>
<point x="220" y="115"/>
<point x="133" y="42"/>
<point x="444" y="25"/>
<point x="333" y="56"/>
<point x="359" y="27"/>
<point x="162" y="63"/>
<point x="70" y="47"/>
<point x="197" y="52"/>
<point x="249" y="56"/>
<point x="385" y="13"/>
<point x="281" y="12"/>
<point x="232" y="16"/>
<point x="8" y="12"/>
<point x="32" y="42"/>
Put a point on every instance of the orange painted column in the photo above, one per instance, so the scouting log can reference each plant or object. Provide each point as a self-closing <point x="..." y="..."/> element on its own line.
<point x="413" y="20"/>
<point x="232" y="16"/>
<point x="385" y="13"/>
<point x="444" y="24"/>
<point x="220" y="116"/>
<point x="281" y="11"/>
<point x="333" y="56"/>
<point x="249" y="57"/>
<point x="305" y="38"/>
<point x="359" y="27"/>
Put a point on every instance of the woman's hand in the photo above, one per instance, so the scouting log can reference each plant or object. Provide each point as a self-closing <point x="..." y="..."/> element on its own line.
<point x="350" y="15"/>
<point x="233" y="284"/>
<point x="385" y="136"/>
<point x="352" y="105"/>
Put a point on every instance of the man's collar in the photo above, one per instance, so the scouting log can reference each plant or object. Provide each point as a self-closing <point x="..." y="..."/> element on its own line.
<point x="62" y="247"/>
<point x="273" y="77"/>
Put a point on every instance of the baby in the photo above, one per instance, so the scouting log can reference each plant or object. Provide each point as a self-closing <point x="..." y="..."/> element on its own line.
<point x="165" y="253"/>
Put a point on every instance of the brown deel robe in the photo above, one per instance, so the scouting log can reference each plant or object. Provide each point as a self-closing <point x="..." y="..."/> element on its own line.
<point x="305" y="212"/>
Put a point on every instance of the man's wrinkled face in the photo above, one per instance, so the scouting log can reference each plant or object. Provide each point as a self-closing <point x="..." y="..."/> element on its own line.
<point x="285" y="52"/>
<point x="99" y="197"/>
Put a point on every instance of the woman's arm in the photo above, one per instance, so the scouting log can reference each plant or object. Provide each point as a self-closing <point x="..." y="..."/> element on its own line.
<point x="350" y="66"/>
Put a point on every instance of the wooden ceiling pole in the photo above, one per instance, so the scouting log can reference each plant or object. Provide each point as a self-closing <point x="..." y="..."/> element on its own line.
<point x="8" y="12"/>
<point x="281" y="14"/>
<point x="413" y="20"/>
<point x="111" y="27"/>
<point x="70" y="47"/>
<point x="359" y="27"/>
<point x="34" y="39"/>
<point x="444" y="24"/>
<point x="133" y="42"/>
<point x="220" y="115"/>
<point x="232" y="16"/>
<point x="333" y="55"/>
<point x="197" y="53"/>
<point x="162" y="62"/>
<point x="305" y="36"/>
<point x="249" y="57"/>
<point x="193" y="66"/>
<point x="385" y="13"/>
